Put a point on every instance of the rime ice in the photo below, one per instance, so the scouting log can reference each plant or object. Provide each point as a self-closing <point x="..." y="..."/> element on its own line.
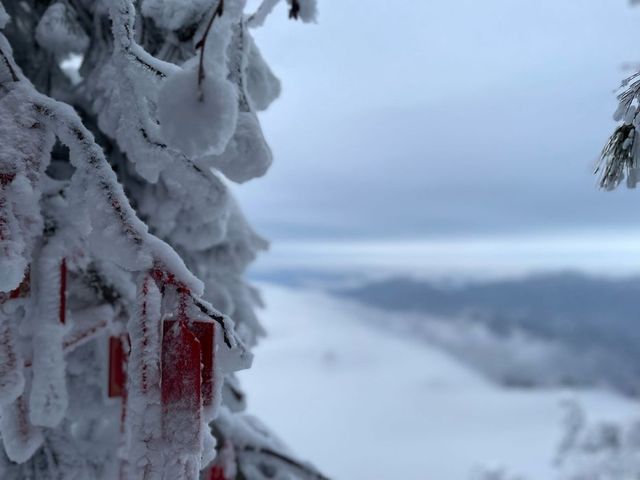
<point x="121" y="329"/>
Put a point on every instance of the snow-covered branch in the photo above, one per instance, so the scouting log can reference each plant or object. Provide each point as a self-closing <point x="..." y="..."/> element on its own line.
<point x="122" y="249"/>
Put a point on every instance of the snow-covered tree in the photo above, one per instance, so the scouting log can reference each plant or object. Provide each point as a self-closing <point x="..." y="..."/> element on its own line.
<point x="619" y="159"/>
<point x="123" y="309"/>
<point x="598" y="451"/>
<point x="608" y="451"/>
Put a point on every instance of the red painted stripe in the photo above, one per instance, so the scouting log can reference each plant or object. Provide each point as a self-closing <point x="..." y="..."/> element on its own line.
<point x="181" y="380"/>
<point x="205" y="333"/>
<point x="117" y="373"/>
<point x="216" y="473"/>
<point x="6" y="178"/>
<point x="63" y="291"/>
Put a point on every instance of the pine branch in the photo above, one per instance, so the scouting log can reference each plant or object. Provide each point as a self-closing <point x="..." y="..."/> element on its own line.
<point x="181" y="200"/>
<point x="80" y="139"/>
<point x="123" y="17"/>
<point x="617" y="157"/>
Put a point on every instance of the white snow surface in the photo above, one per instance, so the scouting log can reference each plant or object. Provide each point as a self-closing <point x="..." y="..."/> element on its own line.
<point x="364" y="403"/>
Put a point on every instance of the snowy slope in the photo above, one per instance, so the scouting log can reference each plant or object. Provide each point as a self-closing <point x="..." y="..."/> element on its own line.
<point x="365" y="404"/>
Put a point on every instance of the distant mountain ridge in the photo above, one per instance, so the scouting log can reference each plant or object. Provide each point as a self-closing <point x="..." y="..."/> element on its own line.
<point x="559" y="304"/>
<point x="592" y="316"/>
<point x="541" y="330"/>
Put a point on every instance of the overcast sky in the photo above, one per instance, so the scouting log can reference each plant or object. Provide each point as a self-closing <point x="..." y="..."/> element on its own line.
<point x="410" y="119"/>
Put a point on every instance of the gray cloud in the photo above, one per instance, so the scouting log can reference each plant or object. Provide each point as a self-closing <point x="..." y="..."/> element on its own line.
<point x="414" y="119"/>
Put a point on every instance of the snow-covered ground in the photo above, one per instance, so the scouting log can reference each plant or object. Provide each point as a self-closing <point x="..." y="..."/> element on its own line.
<point x="364" y="403"/>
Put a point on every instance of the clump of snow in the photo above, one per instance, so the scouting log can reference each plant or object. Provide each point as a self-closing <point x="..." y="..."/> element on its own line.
<point x="70" y="65"/>
<point x="60" y="32"/>
<point x="247" y="155"/>
<point x="4" y="16"/>
<point x="194" y="217"/>
<point x="175" y="14"/>
<point x="263" y="87"/>
<point x="197" y="119"/>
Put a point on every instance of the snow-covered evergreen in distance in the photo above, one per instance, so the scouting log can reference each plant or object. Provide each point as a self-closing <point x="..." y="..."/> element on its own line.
<point x="601" y="450"/>
<point x="123" y="309"/>
<point x="609" y="451"/>
<point x="598" y="450"/>
<point x="620" y="158"/>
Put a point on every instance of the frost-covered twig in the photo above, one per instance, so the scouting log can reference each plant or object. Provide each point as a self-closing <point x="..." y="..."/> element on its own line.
<point x="123" y="15"/>
<point x="202" y="43"/>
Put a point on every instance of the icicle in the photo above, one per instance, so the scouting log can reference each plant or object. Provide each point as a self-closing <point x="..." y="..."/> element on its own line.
<point x="49" y="400"/>
<point x="20" y="438"/>
<point x="144" y="398"/>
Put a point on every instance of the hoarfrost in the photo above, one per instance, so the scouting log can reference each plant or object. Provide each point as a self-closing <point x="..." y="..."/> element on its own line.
<point x="107" y="381"/>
